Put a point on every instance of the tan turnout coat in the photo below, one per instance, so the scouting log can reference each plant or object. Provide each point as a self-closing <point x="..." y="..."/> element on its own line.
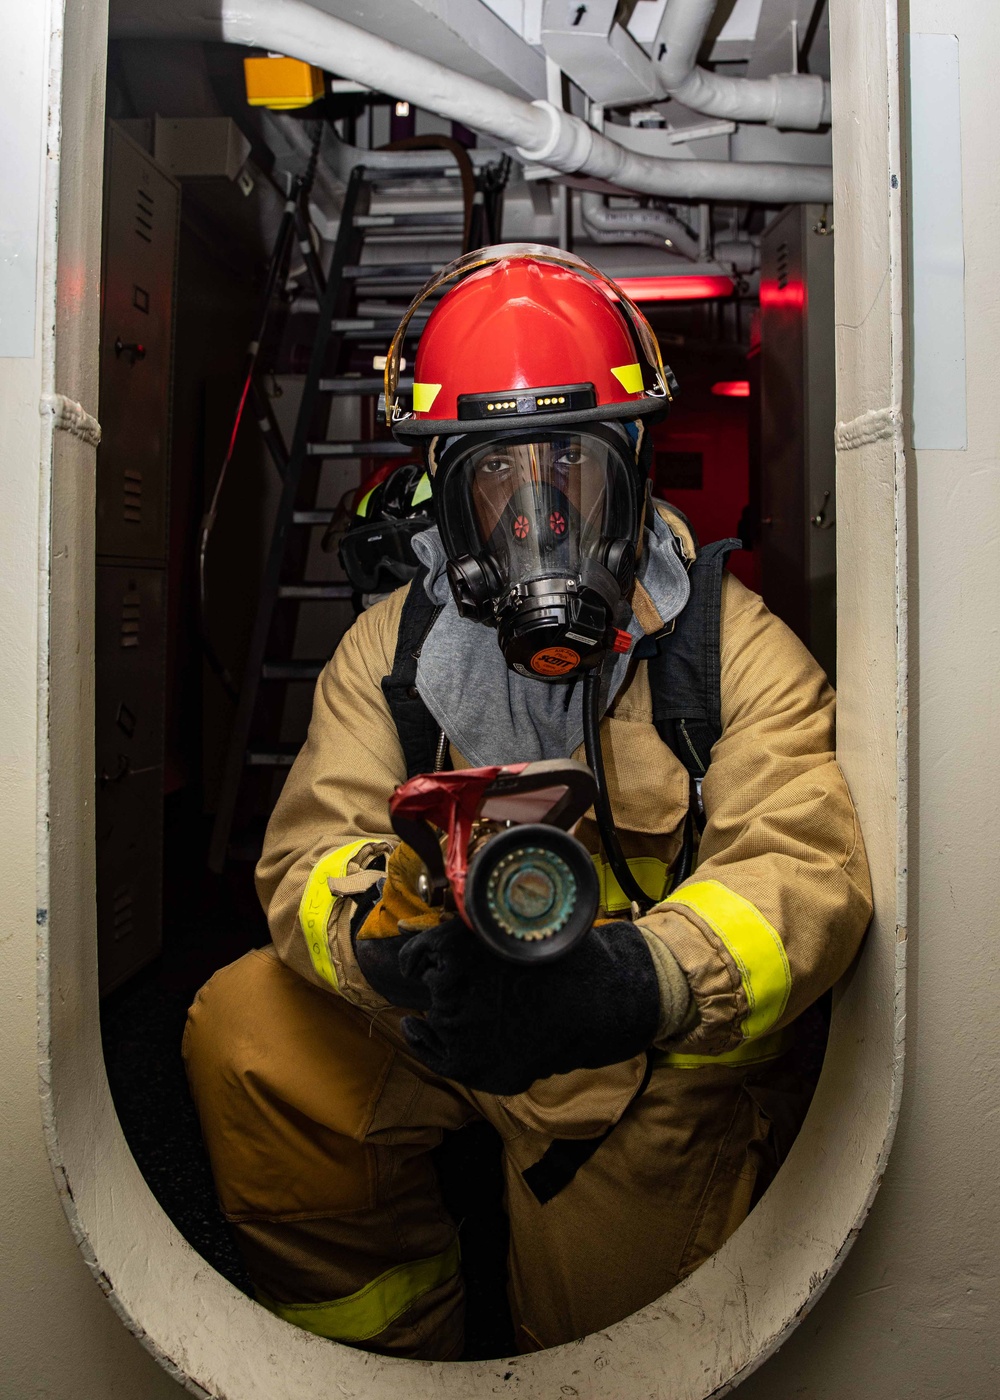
<point x="781" y="853"/>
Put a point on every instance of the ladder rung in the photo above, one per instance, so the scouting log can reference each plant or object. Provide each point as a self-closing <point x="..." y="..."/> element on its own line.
<point x="317" y="591"/>
<point x="312" y="517"/>
<point x="411" y="222"/>
<point x="279" y="756"/>
<point x="384" y="325"/>
<point x="379" y="333"/>
<point x="414" y="165"/>
<point x="360" y="384"/>
<point x="390" y="272"/>
<point x="359" y="449"/>
<point x="291" y="670"/>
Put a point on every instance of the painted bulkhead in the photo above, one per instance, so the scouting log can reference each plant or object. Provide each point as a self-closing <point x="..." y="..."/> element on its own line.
<point x="863" y="1270"/>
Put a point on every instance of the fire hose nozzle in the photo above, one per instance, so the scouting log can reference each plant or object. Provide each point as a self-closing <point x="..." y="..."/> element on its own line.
<point x="510" y="864"/>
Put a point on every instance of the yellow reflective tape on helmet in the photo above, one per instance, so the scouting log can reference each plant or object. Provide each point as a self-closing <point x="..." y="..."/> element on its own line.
<point x="363" y="503"/>
<point x="630" y="378"/>
<point x="423" y="491"/>
<point x="653" y="876"/>
<point x="318" y="900"/>
<point x="363" y="1315"/>
<point x="751" y="1052"/>
<point x="424" y="396"/>
<point x="755" y="947"/>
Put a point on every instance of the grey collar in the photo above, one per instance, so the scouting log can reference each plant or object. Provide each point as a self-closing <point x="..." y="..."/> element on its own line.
<point x="490" y="713"/>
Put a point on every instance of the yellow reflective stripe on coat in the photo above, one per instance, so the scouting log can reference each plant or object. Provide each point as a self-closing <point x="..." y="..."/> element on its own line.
<point x="653" y="876"/>
<point x="751" y="1052"/>
<point x="754" y="945"/>
<point x="363" y="1315"/>
<point x="317" y="901"/>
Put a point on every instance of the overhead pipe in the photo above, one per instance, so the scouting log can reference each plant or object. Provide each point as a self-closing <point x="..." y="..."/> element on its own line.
<point x="653" y="227"/>
<point x="792" y="101"/>
<point x="656" y="228"/>
<point x="539" y="132"/>
<point x="340" y="157"/>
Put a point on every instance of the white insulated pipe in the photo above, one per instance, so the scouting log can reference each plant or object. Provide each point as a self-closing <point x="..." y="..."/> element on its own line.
<point x="792" y="101"/>
<point x="654" y="227"/>
<point x="537" y="131"/>
<point x="573" y="147"/>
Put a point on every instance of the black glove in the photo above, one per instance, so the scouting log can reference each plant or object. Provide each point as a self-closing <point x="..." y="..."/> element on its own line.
<point x="498" y="1026"/>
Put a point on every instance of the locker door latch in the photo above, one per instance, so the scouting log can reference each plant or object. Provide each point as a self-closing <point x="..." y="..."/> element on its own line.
<point x="819" y="519"/>
<point x="131" y="348"/>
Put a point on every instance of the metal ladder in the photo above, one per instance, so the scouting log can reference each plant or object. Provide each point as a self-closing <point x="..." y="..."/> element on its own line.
<point x="298" y="466"/>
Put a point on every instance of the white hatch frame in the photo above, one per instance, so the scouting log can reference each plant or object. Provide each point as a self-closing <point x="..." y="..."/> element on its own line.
<point x="717" y="1326"/>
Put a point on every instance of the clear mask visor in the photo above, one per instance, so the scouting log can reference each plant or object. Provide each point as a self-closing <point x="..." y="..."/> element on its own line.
<point x="538" y="508"/>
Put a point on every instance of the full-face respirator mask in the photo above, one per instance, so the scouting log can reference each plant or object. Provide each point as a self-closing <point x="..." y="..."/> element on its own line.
<point x="540" y="530"/>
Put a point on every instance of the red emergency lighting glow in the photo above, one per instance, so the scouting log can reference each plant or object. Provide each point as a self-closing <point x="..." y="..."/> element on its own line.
<point x="675" y="288"/>
<point x="732" y="388"/>
<point x="793" y="294"/>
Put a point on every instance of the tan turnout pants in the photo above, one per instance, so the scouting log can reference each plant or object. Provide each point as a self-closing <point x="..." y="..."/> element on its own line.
<point x="320" y="1127"/>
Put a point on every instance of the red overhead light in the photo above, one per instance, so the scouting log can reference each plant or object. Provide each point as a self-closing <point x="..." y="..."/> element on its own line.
<point x="676" y="288"/>
<point x="732" y="388"/>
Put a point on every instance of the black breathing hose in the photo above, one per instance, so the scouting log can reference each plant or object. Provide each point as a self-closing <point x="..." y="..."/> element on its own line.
<point x="602" y="807"/>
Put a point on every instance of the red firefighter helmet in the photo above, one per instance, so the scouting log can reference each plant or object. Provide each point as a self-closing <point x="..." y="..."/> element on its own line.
<point x="526" y="336"/>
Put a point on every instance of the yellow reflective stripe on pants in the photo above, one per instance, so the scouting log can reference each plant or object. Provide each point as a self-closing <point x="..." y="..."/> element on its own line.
<point x="653" y="876"/>
<point x="363" y="1315"/>
<point x="755" y="947"/>
<point x="751" y="1052"/>
<point x="318" y="900"/>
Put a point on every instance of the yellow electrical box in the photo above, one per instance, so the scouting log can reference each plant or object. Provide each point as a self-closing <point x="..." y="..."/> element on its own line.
<point x="281" y="83"/>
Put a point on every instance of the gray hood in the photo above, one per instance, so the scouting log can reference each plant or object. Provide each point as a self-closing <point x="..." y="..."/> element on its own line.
<point x="489" y="712"/>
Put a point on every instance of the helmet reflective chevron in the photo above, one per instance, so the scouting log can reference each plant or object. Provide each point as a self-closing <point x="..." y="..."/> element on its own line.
<point x="526" y="336"/>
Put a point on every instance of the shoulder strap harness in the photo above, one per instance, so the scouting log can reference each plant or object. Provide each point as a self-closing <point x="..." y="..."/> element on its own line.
<point x="417" y="729"/>
<point x="685" y="666"/>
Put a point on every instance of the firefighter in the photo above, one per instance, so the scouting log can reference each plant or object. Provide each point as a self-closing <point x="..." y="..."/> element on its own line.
<point x="646" y="1085"/>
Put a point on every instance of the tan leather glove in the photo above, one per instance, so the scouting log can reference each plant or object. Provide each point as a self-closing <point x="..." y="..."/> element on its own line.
<point x="399" y="915"/>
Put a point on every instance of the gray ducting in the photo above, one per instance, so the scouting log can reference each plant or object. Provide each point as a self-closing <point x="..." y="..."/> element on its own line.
<point x="599" y="55"/>
<point x="654" y="227"/>
<point x="793" y="101"/>
<point x="538" y="131"/>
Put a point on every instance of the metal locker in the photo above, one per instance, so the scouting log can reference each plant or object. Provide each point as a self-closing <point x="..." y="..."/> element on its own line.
<point x="141" y="212"/>
<point x="131" y="663"/>
<point x="129" y="874"/>
<point x="798" y="410"/>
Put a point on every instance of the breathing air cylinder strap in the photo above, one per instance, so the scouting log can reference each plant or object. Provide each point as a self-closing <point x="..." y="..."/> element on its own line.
<point x="685" y="669"/>
<point x="415" y="725"/>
